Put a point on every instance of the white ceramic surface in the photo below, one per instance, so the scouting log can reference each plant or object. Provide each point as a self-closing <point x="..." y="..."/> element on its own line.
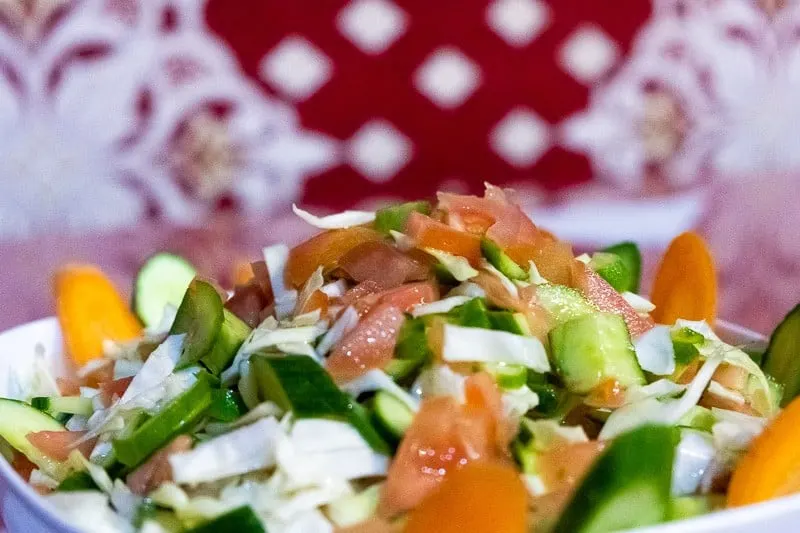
<point x="25" y="512"/>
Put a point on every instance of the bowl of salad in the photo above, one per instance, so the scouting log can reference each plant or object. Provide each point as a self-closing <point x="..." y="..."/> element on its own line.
<point x="429" y="367"/>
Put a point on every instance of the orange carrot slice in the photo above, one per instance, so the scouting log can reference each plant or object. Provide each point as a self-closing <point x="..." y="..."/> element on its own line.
<point x="90" y="311"/>
<point x="771" y="467"/>
<point x="686" y="282"/>
<point x="242" y="272"/>
<point x="484" y="496"/>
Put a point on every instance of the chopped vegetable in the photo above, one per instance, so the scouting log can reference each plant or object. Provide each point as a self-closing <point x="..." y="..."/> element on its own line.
<point x="241" y="520"/>
<point x="474" y="344"/>
<point x="200" y="318"/>
<point x="230" y="337"/>
<point x="161" y="281"/>
<point x="781" y="359"/>
<point x="685" y="285"/>
<point x="343" y="220"/>
<point x="325" y="250"/>
<point x="613" y="269"/>
<point x="395" y="217"/>
<point x="629" y="253"/>
<point x="428" y="233"/>
<point x="495" y="255"/>
<point x="91" y="311"/>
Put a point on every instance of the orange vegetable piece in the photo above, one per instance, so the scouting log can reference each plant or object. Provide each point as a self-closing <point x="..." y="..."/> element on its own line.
<point x="59" y="444"/>
<point x="686" y="282"/>
<point x="771" y="467"/>
<point x="90" y="311"/>
<point x="325" y="250"/>
<point x="483" y="496"/>
<point x="242" y="272"/>
<point x="553" y="258"/>
<point x="428" y="233"/>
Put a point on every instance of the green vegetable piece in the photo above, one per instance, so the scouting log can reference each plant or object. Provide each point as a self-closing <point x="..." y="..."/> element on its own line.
<point x="698" y="418"/>
<point x="498" y="258"/>
<point x="17" y="419"/>
<point x="412" y="349"/>
<point x="297" y="383"/>
<point x="628" y="486"/>
<point x="162" y="280"/>
<point x="632" y="258"/>
<point x="394" y="218"/>
<point x="756" y="351"/>
<point x="167" y="520"/>
<point x="356" y="508"/>
<point x="511" y="322"/>
<point x="472" y="314"/>
<point x="507" y="376"/>
<point x="685" y="342"/>
<point x="145" y="511"/>
<point x="226" y="405"/>
<point x="782" y="359"/>
<point x="178" y="417"/>
<point x="563" y="303"/>
<point x="683" y="507"/>
<point x="77" y="481"/>
<point x="522" y="450"/>
<point x="200" y="317"/>
<point x="232" y="334"/>
<point x="592" y="349"/>
<point x="241" y="520"/>
<point x="59" y="405"/>
<point x="611" y="268"/>
<point x="392" y="415"/>
<point x="444" y="276"/>
<point x="400" y="369"/>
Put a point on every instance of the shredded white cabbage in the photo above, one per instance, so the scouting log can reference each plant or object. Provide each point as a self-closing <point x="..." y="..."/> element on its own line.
<point x="345" y="219"/>
<point x="40" y="479"/>
<point x="657" y="389"/>
<point x="725" y="393"/>
<point x="343" y="325"/>
<point x="276" y="257"/>
<point x="534" y="276"/>
<point x="458" y="266"/>
<point x="124" y="368"/>
<point x="694" y="456"/>
<point x="655" y="352"/>
<point x="259" y="411"/>
<point x="639" y="304"/>
<point x="666" y="412"/>
<point x="508" y="285"/>
<point x="158" y="367"/>
<point x="404" y="242"/>
<point x="274" y="337"/>
<point x="243" y="450"/>
<point x="519" y="401"/>
<point x="441" y="306"/>
<point x="462" y="344"/>
<point x="89" y="511"/>
<point x="439" y="380"/>
<point x="472" y="290"/>
<point x="124" y="501"/>
<point x="335" y="289"/>
<point x="375" y="380"/>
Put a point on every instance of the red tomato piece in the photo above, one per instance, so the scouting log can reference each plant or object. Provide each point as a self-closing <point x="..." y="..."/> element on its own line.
<point x="157" y="470"/>
<point x="607" y="299"/>
<point x="59" y="444"/>
<point x="325" y="250"/>
<point x="370" y="345"/>
<point x="384" y="264"/>
<point x="428" y="233"/>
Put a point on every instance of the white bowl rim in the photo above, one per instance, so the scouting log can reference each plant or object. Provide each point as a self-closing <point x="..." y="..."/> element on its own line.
<point x="715" y="522"/>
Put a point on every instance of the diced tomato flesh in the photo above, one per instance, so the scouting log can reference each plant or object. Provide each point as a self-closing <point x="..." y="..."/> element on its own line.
<point x="553" y="259"/>
<point x="157" y="470"/>
<point x="607" y="299"/>
<point x="59" y="444"/>
<point x="68" y="386"/>
<point x="325" y="250"/>
<point x="384" y="264"/>
<point x="370" y="345"/>
<point x="317" y="300"/>
<point x="428" y="233"/>
<point x="114" y="389"/>
<point x="562" y="467"/>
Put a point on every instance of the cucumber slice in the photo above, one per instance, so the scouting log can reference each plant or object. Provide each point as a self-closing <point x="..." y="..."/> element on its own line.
<point x="200" y="317"/>
<point x="226" y="405"/>
<point x="632" y="258"/>
<point x="781" y="359"/>
<point x="391" y="414"/>
<point x="612" y="268"/>
<point x="162" y="280"/>
<point x="241" y="520"/>
<point x="563" y="303"/>
<point x="698" y="418"/>
<point x="179" y="416"/>
<point x="684" y="507"/>
<point x="592" y="349"/>
<point x="498" y="258"/>
<point x="628" y="486"/>
<point x="411" y="351"/>
<point x="685" y="342"/>
<point x="472" y="314"/>
<point x="395" y="217"/>
<point x="231" y="336"/>
<point x="352" y="510"/>
<point x="77" y="481"/>
<point x="297" y="383"/>
<point x="17" y="419"/>
<point x="511" y="322"/>
<point x="71" y="405"/>
<point x="507" y="377"/>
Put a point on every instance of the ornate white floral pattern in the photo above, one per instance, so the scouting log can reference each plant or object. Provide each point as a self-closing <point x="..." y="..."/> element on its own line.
<point x="115" y="110"/>
<point x="710" y="89"/>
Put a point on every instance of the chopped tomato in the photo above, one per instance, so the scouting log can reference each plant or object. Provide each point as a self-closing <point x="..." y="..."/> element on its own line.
<point x="483" y="496"/>
<point x="68" y="386"/>
<point x="603" y="295"/>
<point x="428" y="233"/>
<point x="481" y="392"/>
<point x="157" y="470"/>
<point x="443" y="437"/>
<point x="609" y="394"/>
<point x="59" y="444"/>
<point x="22" y="466"/>
<point x="553" y="258"/>
<point x="317" y="300"/>
<point x="562" y="467"/>
<point x="383" y="264"/>
<point x="498" y="296"/>
<point x="370" y="345"/>
<point x="366" y="295"/>
<point x="100" y="375"/>
<point x="325" y="250"/>
<point x="114" y="389"/>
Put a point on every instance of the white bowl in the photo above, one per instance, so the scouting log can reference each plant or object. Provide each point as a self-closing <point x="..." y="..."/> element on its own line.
<point x="23" y="510"/>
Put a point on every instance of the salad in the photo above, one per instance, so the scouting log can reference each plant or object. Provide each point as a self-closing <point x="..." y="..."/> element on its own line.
<point x="430" y="367"/>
